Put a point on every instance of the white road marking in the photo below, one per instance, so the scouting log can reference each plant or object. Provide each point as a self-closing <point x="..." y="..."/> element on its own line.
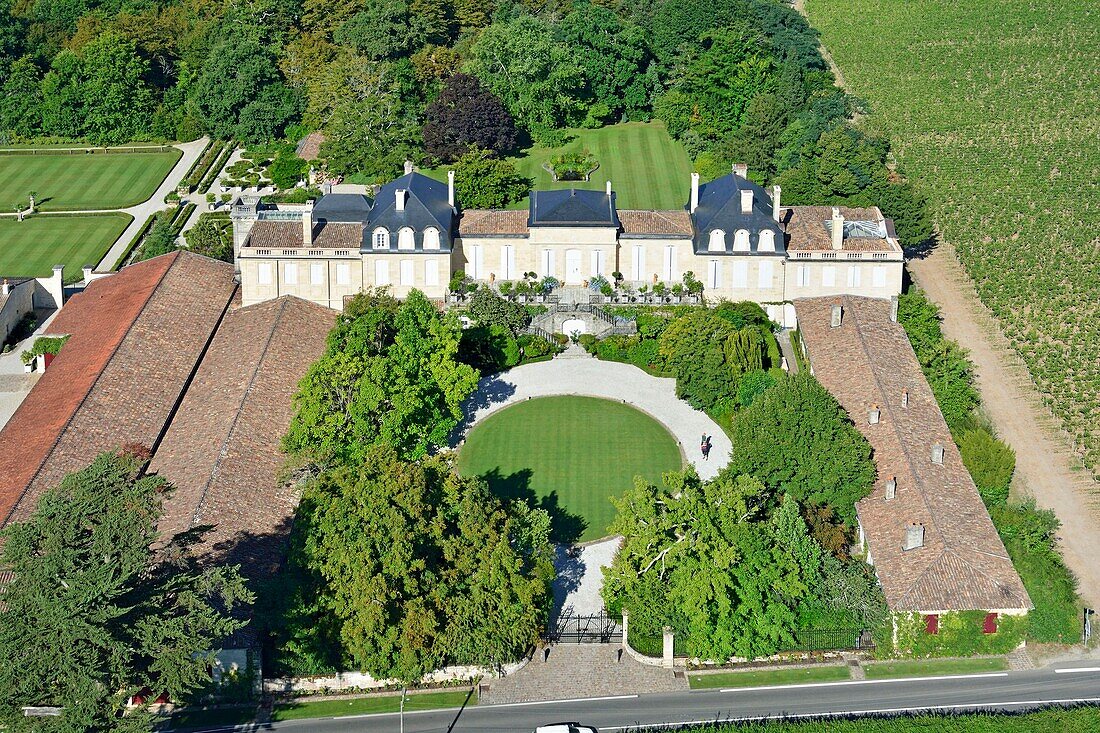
<point x="846" y="713"/>
<point x="554" y="702"/>
<point x="1067" y="670"/>
<point x="869" y="682"/>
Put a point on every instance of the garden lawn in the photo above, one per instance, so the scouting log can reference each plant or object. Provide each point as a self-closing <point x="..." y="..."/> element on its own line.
<point x="571" y="454"/>
<point x="646" y="167"/>
<point x="376" y="704"/>
<point x="768" y="677"/>
<point x="1077" y="720"/>
<point x="81" y="181"/>
<point x="31" y="248"/>
<point x="928" y="667"/>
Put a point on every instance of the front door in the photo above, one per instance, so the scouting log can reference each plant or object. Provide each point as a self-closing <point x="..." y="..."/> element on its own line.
<point x="573" y="267"/>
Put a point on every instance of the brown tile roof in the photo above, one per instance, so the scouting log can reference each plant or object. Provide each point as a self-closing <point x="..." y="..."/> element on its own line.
<point x="135" y="338"/>
<point x="222" y="449"/>
<point x="288" y="235"/>
<point x="672" y="223"/>
<point x="492" y="221"/>
<point x="309" y="147"/>
<point x="805" y="226"/>
<point x="963" y="565"/>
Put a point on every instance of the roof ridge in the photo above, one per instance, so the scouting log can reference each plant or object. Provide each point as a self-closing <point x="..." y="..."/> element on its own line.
<point x="224" y="448"/>
<point x="69" y="420"/>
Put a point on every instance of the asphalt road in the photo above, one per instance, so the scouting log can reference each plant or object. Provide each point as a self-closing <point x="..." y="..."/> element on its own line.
<point x="1008" y="691"/>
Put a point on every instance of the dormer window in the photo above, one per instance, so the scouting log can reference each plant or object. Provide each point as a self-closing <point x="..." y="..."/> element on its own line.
<point x="717" y="241"/>
<point x="741" y="241"/>
<point x="767" y="241"/>
<point x="405" y="238"/>
<point x="431" y="238"/>
<point x="381" y="238"/>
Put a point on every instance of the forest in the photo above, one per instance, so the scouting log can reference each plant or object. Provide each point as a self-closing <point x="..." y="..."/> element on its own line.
<point x="433" y="80"/>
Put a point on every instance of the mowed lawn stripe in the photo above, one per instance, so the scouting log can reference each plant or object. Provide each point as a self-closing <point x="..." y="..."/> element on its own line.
<point x="569" y="452"/>
<point x="82" y="181"/>
<point x="32" y="247"/>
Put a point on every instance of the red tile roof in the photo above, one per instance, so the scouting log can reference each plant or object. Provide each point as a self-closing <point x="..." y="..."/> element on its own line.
<point x="221" y="451"/>
<point x="492" y="221"/>
<point x="806" y="230"/>
<point x="674" y="223"/>
<point x="866" y="363"/>
<point x="135" y="338"/>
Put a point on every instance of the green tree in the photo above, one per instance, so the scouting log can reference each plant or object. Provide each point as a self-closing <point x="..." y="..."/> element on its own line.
<point x="692" y="349"/>
<point x="421" y="567"/>
<point x="211" y="237"/>
<point x="990" y="462"/>
<point x="21" y="99"/>
<point x="526" y="67"/>
<point x="703" y="558"/>
<point x="799" y="441"/>
<point x="612" y="55"/>
<point x="160" y="240"/>
<point x="483" y="181"/>
<point x="488" y="308"/>
<point x="379" y="31"/>
<point x="93" y="613"/>
<point x="390" y="375"/>
<point x="744" y="350"/>
<point x="234" y="74"/>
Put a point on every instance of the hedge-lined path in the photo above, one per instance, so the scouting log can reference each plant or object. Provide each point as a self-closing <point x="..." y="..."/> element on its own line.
<point x="191" y="153"/>
<point x="610" y="380"/>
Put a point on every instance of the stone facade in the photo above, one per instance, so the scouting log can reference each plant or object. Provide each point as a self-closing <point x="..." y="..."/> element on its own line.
<point x="732" y="236"/>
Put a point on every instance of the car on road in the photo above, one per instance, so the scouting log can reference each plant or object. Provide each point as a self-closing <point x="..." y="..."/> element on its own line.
<point x="566" y="728"/>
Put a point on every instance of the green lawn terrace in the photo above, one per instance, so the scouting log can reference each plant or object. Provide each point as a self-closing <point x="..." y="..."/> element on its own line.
<point x="569" y="455"/>
<point x="80" y="180"/>
<point x="32" y="247"/>
<point x="646" y="167"/>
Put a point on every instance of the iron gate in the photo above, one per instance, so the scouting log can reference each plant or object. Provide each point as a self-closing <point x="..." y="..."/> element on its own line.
<point x="572" y="629"/>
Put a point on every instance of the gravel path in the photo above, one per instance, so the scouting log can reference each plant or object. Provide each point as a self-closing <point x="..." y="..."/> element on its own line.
<point x="611" y="380"/>
<point x="580" y="576"/>
<point x="1045" y="467"/>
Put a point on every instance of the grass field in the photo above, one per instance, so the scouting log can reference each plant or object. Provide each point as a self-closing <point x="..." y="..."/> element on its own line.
<point x="930" y="667"/>
<point x="367" y="705"/>
<point x="992" y="106"/>
<point x="767" y="677"/>
<point x="1056" y="720"/>
<point x="79" y="181"/>
<point x="33" y="246"/>
<point x="647" y="168"/>
<point x="573" y="453"/>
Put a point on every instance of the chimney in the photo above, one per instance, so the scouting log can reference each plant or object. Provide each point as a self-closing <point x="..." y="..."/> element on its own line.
<point x="874" y="415"/>
<point x="891" y="488"/>
<point x="307" y="224"/>
<point x="836" y="317"/>
<point x="746" y="200"/>
<point x="408" y="167"/>
<point x="937" y="454"/>
<point x="741" y="169"/>
<point x="914" y="536"/>
<point x="837" y="229"/>
<point x="608" y="188"/>
<point x="776" y="190"/>
<point x="894" y="309"/>
<point x="400" y="194"/>
<point x="905" y="398"/>
<point x="451" y="188"/>
<point x="5" y="289"/>
<point x="87" y="270"/>
<point x="694" y="192"/>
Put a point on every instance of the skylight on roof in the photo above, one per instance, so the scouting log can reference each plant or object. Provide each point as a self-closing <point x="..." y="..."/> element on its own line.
<point x="862" y="229"/>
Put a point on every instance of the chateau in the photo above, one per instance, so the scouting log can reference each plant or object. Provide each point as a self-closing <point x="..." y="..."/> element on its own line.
<point x="733" y="235"/>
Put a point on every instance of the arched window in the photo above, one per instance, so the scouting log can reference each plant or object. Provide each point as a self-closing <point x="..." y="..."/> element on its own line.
<point x="741" y="241"/>
<point x="717" y="241"/>
<point x="381" y="238"/>
<point x="405" y="238"/>
<point x="431" y="238"/>
<point x="767" y="241"/>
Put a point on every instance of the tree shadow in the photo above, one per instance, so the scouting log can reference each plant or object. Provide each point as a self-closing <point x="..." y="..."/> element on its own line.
<point x="491" y="391"/>
<point x="565" y="526"/>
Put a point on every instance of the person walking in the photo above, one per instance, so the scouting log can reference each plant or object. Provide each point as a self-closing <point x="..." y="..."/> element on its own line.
<point x="705" y="448"/>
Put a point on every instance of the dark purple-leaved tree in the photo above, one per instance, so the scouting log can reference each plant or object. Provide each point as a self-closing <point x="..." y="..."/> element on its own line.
<point x="466" y="115"/>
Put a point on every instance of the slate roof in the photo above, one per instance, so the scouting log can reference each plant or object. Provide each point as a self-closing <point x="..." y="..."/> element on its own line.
<point x="656" y="223"/>
<point x="425" y="206"/>
<point x="868" y="362"/>
<point x="135" y="338"/>
<point x="342" y="207"/>
<point x="572" y="207"/>
<point x="492" y="222"/>
<point x="865" y="229"/>
<point x="221" y="450"/>
<point x="720" y="208"/>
